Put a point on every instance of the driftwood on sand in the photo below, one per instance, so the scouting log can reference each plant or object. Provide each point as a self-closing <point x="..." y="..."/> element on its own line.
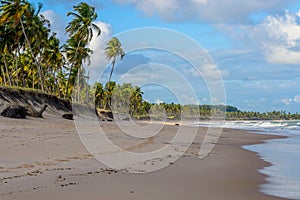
<point x="38" y="114"/>
<point x="105" y="115"/>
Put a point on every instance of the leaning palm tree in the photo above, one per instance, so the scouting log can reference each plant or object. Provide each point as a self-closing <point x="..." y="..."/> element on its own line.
<point x="81" y="29"/>
<point x="113" y="51"/>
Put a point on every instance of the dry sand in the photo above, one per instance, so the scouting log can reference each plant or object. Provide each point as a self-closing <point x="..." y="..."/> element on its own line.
<point x="45" y="159"/>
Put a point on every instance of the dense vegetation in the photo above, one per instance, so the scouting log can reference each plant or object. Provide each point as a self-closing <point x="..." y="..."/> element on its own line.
<point x="127" y="98"/>
<point x="31" y="56"/>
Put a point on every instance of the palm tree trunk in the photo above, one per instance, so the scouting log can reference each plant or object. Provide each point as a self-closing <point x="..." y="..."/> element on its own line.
<point x="3" y="75"/>
<point x="78" y="85"/>
<point x="22" y="68"/>
<point x="111" y="72"/>
<point x="34" y="60"/>
<point x="33" y="77"/>
<point x="16" y="65"/>
<point x="108" y="84"/>
<point x="56" y="86"/>
<point x="6" y="68"/>
<point x="87" y="87"/>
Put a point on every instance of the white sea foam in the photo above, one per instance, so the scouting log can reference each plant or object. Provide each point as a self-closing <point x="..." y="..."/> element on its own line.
<point x="253" y="125"/>
<point x="284" y="154"/>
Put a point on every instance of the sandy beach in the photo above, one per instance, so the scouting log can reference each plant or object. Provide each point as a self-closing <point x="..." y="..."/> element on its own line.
<point x="45" y="159"/>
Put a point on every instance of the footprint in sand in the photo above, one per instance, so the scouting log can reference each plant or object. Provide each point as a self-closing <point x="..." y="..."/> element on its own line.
<point x="26" y="166"/>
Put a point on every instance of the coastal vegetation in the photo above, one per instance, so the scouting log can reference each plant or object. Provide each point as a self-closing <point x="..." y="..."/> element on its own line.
<point x="31" y="55"/>
<point x="127" y="98"/>
<point x="33" y="58"/>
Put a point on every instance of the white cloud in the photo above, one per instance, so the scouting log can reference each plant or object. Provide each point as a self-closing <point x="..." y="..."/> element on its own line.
<point x="281" y="55"/>
<point x="57" y="24"/>
<point x="287" y="101"/>
<point x="297" y="98"/>
<point x="158" y="101"/>
<point x="282" y="46"/>
<point x="277" y="37"/>
<point x="211" y="71"/>
<point x="97" y="44"/>
<point x="105" y="34"/>
<point x="206" y="10"/>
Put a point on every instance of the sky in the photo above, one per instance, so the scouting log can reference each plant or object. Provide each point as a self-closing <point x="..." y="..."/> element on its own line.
<point x="242" y="53"/>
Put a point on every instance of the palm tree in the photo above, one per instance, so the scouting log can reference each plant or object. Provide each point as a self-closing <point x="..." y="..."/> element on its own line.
<point x="81" y="28"/>
<point x="113" y="51"/>
<point x="99" y="95"/>
<point x="109" y="88"/>
<point x="6" y="72"/>
<point x="136" y="101"/>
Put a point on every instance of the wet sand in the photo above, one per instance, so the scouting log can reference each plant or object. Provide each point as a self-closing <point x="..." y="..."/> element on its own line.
<point x="45" y="159"/>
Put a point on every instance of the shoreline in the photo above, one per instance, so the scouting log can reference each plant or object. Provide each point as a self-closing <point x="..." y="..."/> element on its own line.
<point x="44" y="158"/>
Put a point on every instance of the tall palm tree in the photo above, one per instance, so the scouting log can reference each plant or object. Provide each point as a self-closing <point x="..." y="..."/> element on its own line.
<point x="81" y="28"/>
<point x="113" y="51"/>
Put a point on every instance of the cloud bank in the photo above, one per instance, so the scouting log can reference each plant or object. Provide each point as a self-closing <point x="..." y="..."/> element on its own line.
<point x="217" y="11"/>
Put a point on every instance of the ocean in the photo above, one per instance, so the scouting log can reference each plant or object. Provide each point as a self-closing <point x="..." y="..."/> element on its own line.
<point x="284" y="155"/>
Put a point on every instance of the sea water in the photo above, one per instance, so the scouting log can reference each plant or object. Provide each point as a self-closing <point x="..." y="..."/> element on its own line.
<point x="283" y="154"/>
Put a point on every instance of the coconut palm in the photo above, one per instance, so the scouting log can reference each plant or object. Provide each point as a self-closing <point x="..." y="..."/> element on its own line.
<point x="113" y="51"/>
<point x="109" y="88"/>
<point x="99" y="94"/>
<point x="80" y="30"/>
<point x="136" y="101"/>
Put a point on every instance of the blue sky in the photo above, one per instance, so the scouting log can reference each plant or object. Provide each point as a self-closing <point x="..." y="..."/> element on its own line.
<point x="254" y="45"/>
